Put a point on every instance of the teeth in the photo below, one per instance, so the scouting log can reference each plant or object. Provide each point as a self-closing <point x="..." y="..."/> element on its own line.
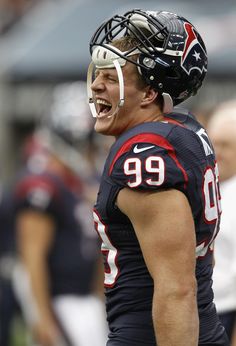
<point x="103" y="102"/>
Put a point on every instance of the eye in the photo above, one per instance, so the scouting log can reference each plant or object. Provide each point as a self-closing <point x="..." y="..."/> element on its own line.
<point x="112" y="78"/>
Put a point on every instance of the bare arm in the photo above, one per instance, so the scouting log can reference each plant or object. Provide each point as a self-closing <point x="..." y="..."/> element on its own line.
<point x="165" y="229"/>
<point x="35" y="234"/>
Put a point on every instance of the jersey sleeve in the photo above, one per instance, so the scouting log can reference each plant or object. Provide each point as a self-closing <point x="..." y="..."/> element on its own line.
<point x="39" y="193"/>
<point x="148" y="166"/>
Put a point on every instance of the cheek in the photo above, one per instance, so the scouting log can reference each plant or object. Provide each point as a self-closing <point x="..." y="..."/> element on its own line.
<point x="114" y="92"/>
<point x="133" y="98"/>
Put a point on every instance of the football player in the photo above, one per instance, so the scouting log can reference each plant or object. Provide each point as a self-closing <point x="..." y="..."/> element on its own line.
<point x="158" y="206"/>
<point x="59" y="252"/>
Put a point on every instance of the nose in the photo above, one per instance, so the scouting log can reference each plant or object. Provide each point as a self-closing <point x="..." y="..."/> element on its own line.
<point x="97" y="84"/>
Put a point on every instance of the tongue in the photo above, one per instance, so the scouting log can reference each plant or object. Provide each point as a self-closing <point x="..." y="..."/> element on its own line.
<point x="105" y="109"/>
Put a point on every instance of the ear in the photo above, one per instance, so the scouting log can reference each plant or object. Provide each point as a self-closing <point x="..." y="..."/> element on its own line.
<point x="149" y="96"/>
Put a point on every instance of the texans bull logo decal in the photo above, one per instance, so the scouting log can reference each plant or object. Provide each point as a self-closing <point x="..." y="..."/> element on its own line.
<point x="193" y="52"/>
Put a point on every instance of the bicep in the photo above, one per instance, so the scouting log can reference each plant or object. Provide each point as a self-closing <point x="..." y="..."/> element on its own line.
<point x="35" y="232"/>
<point x="164" y="226"/>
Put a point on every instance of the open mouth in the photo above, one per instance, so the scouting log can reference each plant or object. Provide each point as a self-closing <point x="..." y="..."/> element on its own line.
<point x="103" y="107"/>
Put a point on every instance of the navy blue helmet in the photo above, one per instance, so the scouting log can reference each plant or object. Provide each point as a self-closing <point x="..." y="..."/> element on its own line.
<point x="172" y="56"/>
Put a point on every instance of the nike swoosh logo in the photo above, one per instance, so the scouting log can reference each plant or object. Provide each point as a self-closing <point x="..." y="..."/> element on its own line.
<point x="139" y="150"/>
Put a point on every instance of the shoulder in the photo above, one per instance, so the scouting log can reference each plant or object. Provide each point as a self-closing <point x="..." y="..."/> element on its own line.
<point x="37" y="191"/>
<point x="145" y="158"/>
<point x="140" y="138"/>
<point x="32" y="181"/>
<point x="165" y="133"/>
<point x="177" y="134"/>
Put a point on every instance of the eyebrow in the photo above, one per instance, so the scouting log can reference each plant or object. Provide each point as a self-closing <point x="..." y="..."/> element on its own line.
<point x="105" y="73"/>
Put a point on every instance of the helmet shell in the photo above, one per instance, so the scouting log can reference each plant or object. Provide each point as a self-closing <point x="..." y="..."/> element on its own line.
<point x="172" y="56"/>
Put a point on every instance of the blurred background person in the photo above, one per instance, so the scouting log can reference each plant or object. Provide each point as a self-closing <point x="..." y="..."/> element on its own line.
<point x="9" y="307"/>
<point x="58" y="279"/>
<point x="222" y="131"/>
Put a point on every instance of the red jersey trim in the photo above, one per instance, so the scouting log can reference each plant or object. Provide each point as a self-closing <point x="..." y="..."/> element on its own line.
<point x="152" y="139"/>
<point x="32" y="182"/>
<point x="173" y="121"/>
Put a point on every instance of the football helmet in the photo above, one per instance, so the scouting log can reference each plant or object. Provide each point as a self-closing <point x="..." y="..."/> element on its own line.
<point x="65" y="129"/>
<point x="172" y="57"/>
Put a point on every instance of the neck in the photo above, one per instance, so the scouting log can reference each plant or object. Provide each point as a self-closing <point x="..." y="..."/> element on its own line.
<point x="157" y="116"/>
<point x="145" y="117"/>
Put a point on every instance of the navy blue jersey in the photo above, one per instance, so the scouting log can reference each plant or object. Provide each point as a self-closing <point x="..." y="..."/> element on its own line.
<point x="7" y="236"/>
<point x="73" y="255"/>
<point x="172" y="154"/>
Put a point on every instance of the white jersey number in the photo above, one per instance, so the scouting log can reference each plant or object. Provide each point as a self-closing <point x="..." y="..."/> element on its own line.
<point x="212" y="207"/>
<point x="108" y="250"/>
<point x="153" y="164"/>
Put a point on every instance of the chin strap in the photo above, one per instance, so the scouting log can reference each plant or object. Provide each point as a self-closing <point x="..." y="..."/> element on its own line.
<point x="168" y="103"/>
<point x="121" y="87"/>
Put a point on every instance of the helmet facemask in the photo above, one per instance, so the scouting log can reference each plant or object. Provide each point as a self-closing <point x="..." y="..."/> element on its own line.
<point x="103" y="58"/>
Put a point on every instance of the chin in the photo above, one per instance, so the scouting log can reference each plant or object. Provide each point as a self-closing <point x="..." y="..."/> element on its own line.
<point x="108" y="126"/>
<point x="106" y="131"/>
<point x="102" y="128"/>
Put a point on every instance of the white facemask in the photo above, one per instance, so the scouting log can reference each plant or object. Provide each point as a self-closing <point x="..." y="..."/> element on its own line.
<point x="103" y="58"/>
